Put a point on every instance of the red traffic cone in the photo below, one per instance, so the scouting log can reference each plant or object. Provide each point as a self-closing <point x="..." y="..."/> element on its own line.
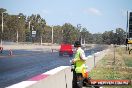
<point x="1" y="49"/>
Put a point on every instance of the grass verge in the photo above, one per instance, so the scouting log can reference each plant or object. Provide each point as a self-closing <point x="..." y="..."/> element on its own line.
<point x="107" y="69"/>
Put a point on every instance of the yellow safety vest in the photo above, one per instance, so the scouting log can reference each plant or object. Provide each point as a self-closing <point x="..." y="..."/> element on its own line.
<point x="80" y="64"/>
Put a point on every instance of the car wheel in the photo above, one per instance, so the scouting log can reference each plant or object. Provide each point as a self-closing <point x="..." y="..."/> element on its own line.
<point x="70" y="55"/>
<point x="60" y="54"/>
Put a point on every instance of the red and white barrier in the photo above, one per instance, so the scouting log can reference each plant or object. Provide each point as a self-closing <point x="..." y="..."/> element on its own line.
<point x="55" y="78"/>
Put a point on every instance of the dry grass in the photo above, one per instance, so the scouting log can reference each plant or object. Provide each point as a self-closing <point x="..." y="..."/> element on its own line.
<point x="121" y="69"/>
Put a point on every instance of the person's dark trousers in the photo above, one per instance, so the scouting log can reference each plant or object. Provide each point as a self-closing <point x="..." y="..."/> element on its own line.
<point x="75" y="80"/>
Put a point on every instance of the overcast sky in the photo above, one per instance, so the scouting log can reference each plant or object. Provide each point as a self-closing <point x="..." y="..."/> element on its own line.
<point x="95" y="15"/>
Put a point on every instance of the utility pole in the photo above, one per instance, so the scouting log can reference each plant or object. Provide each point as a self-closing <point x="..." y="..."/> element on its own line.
<point x="2" y="29"/>
<point x="2" y="22"/>
<point x="17" y="36"/>
<point x="29" y="24"/>
<point x="52" y="35"/>
<point x="80" y="36"/>
<point x="127" y="32"/>
<point x="81" y="40"/>
<point x="32" y="34"/>
<point x="41" y="40"/>
<point x="114" y="54"/>
<point x="84" y="41"/>
<point x="62" y="36"/>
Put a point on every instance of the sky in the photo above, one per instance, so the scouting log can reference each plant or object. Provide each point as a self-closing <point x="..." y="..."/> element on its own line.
<point x="95" y="15"/>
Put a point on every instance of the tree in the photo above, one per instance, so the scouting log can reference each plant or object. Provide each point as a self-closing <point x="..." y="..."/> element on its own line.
<point x="58" y="34"/>
<point x="69" y="33"/>
<point x="108" y="37"/>
<point x="21" y="27"/>
<point x="120" y="36"/>
<point x="36" y="23"/>
<point x="88" y="37"/>
<point x="2" y="10"/>
<point x="97" y="38"/>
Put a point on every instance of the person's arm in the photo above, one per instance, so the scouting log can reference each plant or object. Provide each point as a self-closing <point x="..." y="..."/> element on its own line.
<point x="74" y="60"/>
<point x="82" y="56"/>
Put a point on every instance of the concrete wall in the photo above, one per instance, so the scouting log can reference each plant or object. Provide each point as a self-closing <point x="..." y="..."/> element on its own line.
<point x="61" y="79"/>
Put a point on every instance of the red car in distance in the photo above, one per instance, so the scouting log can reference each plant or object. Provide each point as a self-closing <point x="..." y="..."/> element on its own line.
<point x="66" y="49"/>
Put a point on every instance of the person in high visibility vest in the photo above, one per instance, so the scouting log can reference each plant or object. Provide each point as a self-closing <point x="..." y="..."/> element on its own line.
<point x="80" y="66"/>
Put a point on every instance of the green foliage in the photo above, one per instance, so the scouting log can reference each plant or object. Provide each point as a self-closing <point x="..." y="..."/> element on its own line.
<point x="97" y="38"/>
<point x="66" y="33"/>
<point x="58" y="34"/>
<point x="69" y="33"/>
<point x="109" y="37"/>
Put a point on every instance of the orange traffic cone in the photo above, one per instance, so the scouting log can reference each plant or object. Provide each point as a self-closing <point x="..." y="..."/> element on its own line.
<point x="1" y="49"/>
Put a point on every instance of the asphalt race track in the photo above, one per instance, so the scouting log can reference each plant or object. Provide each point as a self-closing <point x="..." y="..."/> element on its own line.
<point x="20" y="67"/>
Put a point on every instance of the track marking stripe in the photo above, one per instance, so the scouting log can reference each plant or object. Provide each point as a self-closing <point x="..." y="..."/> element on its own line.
<point x="39" y="77"/>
